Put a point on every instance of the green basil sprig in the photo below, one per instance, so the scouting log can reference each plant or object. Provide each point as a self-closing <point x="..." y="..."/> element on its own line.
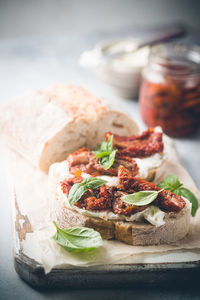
<point x="141" y="198"/>
<point x="106" y="154"/>
<point x="78" y="189"/>
<point x="172" y="183"/>
<point x="77" y="239"/>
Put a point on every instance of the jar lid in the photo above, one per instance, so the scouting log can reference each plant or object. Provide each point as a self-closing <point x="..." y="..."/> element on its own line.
<point x="177" y="59"/>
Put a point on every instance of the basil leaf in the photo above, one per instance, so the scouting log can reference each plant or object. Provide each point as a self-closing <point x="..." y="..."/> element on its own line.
<point x="192" y="198"/>
<point x="75" y="193"/>
<point x="96" y="152"/>
<point x="77" y="239"/>
<point x="141" y="198"/>
<point x="177" y="191"/>
<point x="78" y="189"/>
<point x="104" y="147"/>
<point x="110" y="144"/>
<point x="107" y="161"/>
<point x="106" y="154"/>
<point x="94" y="182"/>
<point x="101" y="154"/>
<point x="170" y="183"/>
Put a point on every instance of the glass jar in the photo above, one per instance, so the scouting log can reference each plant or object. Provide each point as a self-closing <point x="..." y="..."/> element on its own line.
<point x="170" y="90"/>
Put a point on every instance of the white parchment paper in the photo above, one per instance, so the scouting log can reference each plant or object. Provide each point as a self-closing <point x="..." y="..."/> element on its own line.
<point x="32" y="190"/>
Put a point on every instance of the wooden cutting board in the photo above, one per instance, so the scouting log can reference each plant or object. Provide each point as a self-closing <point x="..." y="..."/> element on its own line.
<point x="123" y="276"/>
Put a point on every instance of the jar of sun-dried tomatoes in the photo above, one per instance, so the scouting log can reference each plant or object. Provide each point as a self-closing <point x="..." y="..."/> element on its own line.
<point x="170" y="90"/>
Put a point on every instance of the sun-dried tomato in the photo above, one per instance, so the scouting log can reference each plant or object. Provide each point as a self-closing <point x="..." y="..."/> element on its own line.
<point x="99" y="199"/>
<point x="143" y="145"/>
<point x="83" y="160"/>
<point x="67" y="184"/>
<point x="166" y="200"/>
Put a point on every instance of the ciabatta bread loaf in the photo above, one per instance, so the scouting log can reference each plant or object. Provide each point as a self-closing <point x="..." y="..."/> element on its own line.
<point x="45" y="126"/>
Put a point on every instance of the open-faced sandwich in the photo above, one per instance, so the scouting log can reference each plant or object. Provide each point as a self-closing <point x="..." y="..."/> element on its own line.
<point x="101" y="168"/>
<point x="104" y="190"/>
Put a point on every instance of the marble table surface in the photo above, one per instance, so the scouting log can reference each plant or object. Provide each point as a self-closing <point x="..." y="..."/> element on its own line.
<point x="37" y="63"/>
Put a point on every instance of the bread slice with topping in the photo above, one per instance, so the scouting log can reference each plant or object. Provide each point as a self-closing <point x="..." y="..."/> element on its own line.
<point x="139" y="229"/>
<point x="133" y="233"/>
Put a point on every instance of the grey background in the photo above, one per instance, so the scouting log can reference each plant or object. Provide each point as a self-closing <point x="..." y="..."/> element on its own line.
<point x="19" y="18"/>
<point x="40" y="43"/>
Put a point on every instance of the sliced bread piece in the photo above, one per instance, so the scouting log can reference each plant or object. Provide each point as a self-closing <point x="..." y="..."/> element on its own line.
<point x="133" y="233"/>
